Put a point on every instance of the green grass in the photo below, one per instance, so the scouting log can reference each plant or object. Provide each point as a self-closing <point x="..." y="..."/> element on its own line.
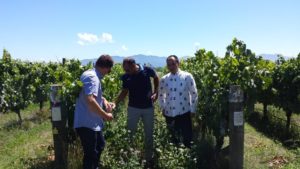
<point x="260" y="150"/>
<point x="31" y="145"/>
<point x="276" y="121"/>
<point x="295" y="119"/>
<point x="28" y="145"/>
<point x="11" y="118"/>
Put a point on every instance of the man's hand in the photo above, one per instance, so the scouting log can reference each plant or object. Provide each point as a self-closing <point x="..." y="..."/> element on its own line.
<point x="110" y="107"/>
<point x="93" y="106"/>
<point x="154" y="97"/>
<point x="108" y="117"/>
<point x="106" y="105"/>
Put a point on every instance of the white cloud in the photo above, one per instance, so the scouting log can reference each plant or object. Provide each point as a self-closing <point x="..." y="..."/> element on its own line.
<point x="124" y="48"/>
<point x="149" y="53"/>
<point x="88" y="37"/>
<point x="81" y="43"/>
<point x="197" y="45"/>
<point x="106" y="37"/>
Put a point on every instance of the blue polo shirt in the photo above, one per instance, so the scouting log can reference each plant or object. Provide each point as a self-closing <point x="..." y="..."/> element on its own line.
<point x="139" y="87"/>
<point x="91" y="86"/>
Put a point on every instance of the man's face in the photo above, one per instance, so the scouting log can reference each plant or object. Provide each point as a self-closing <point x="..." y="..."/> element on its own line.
<point x="129" y="68"/>
<point x="106" y="70"/>
<point x="172" y="65"/>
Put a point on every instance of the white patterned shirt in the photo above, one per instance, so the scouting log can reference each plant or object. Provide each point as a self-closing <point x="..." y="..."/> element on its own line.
<point x="177" y="93"/>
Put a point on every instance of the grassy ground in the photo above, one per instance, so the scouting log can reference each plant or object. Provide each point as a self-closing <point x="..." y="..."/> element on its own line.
<point x="279" y="113"/>
<point x="30" y="145"/>
<point x="276" y="121"/>
<point x="262" y="152"/>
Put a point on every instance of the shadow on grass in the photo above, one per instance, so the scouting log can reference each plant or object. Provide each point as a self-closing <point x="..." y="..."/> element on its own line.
<point x="275" y="129"/>
<point x="37" y="117"/>
<point x="38" y="163"/>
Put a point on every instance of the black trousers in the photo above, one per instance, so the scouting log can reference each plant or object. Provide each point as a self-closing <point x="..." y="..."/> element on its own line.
<point x="93" y="144"/>
<point x="180" y="126"/>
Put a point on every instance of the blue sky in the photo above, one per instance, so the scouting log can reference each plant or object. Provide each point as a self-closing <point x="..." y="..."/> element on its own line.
<point x="52" y="29"/>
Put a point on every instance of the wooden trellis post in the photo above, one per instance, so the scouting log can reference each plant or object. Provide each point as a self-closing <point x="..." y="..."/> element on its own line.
<point x="59" y="119"/>
<point x="236" y="126"/>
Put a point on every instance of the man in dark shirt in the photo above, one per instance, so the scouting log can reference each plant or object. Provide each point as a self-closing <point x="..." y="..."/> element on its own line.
<point x="136" y="82"/>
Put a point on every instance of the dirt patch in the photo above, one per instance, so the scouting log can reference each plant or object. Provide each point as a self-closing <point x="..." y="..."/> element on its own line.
<point x="277" y="162"/>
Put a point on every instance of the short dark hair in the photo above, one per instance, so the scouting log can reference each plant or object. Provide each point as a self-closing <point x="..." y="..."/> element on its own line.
<point x="175" y="57"/>
<point x="105" y="61"/>
<point x="129" y="60"/>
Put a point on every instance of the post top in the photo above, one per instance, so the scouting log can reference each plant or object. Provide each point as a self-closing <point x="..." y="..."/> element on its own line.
<point x="236" y="94"/>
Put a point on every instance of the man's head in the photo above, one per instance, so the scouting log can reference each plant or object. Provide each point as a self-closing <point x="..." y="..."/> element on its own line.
<point x="129" y="65"/>
<point x="173" y="63"/>
<point x="104" y="64"/>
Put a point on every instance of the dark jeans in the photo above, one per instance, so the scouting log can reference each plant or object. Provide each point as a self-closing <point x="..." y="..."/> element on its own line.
<point x="180" y="126"/>
<point x="93" y="144"/>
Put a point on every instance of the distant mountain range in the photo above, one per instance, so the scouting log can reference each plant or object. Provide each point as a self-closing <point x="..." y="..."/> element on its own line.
<point x="160" y="61"/>
<point x="271" y="57"/>
<point x="155" y="61"/>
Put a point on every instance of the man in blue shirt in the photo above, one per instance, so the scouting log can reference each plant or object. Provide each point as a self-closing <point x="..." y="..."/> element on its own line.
<point x="89" y="115"/>
<point x="137" y="82"/>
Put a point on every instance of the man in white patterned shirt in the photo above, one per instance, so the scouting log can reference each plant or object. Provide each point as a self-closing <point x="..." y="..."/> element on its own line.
<point x="178" y="100"/>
